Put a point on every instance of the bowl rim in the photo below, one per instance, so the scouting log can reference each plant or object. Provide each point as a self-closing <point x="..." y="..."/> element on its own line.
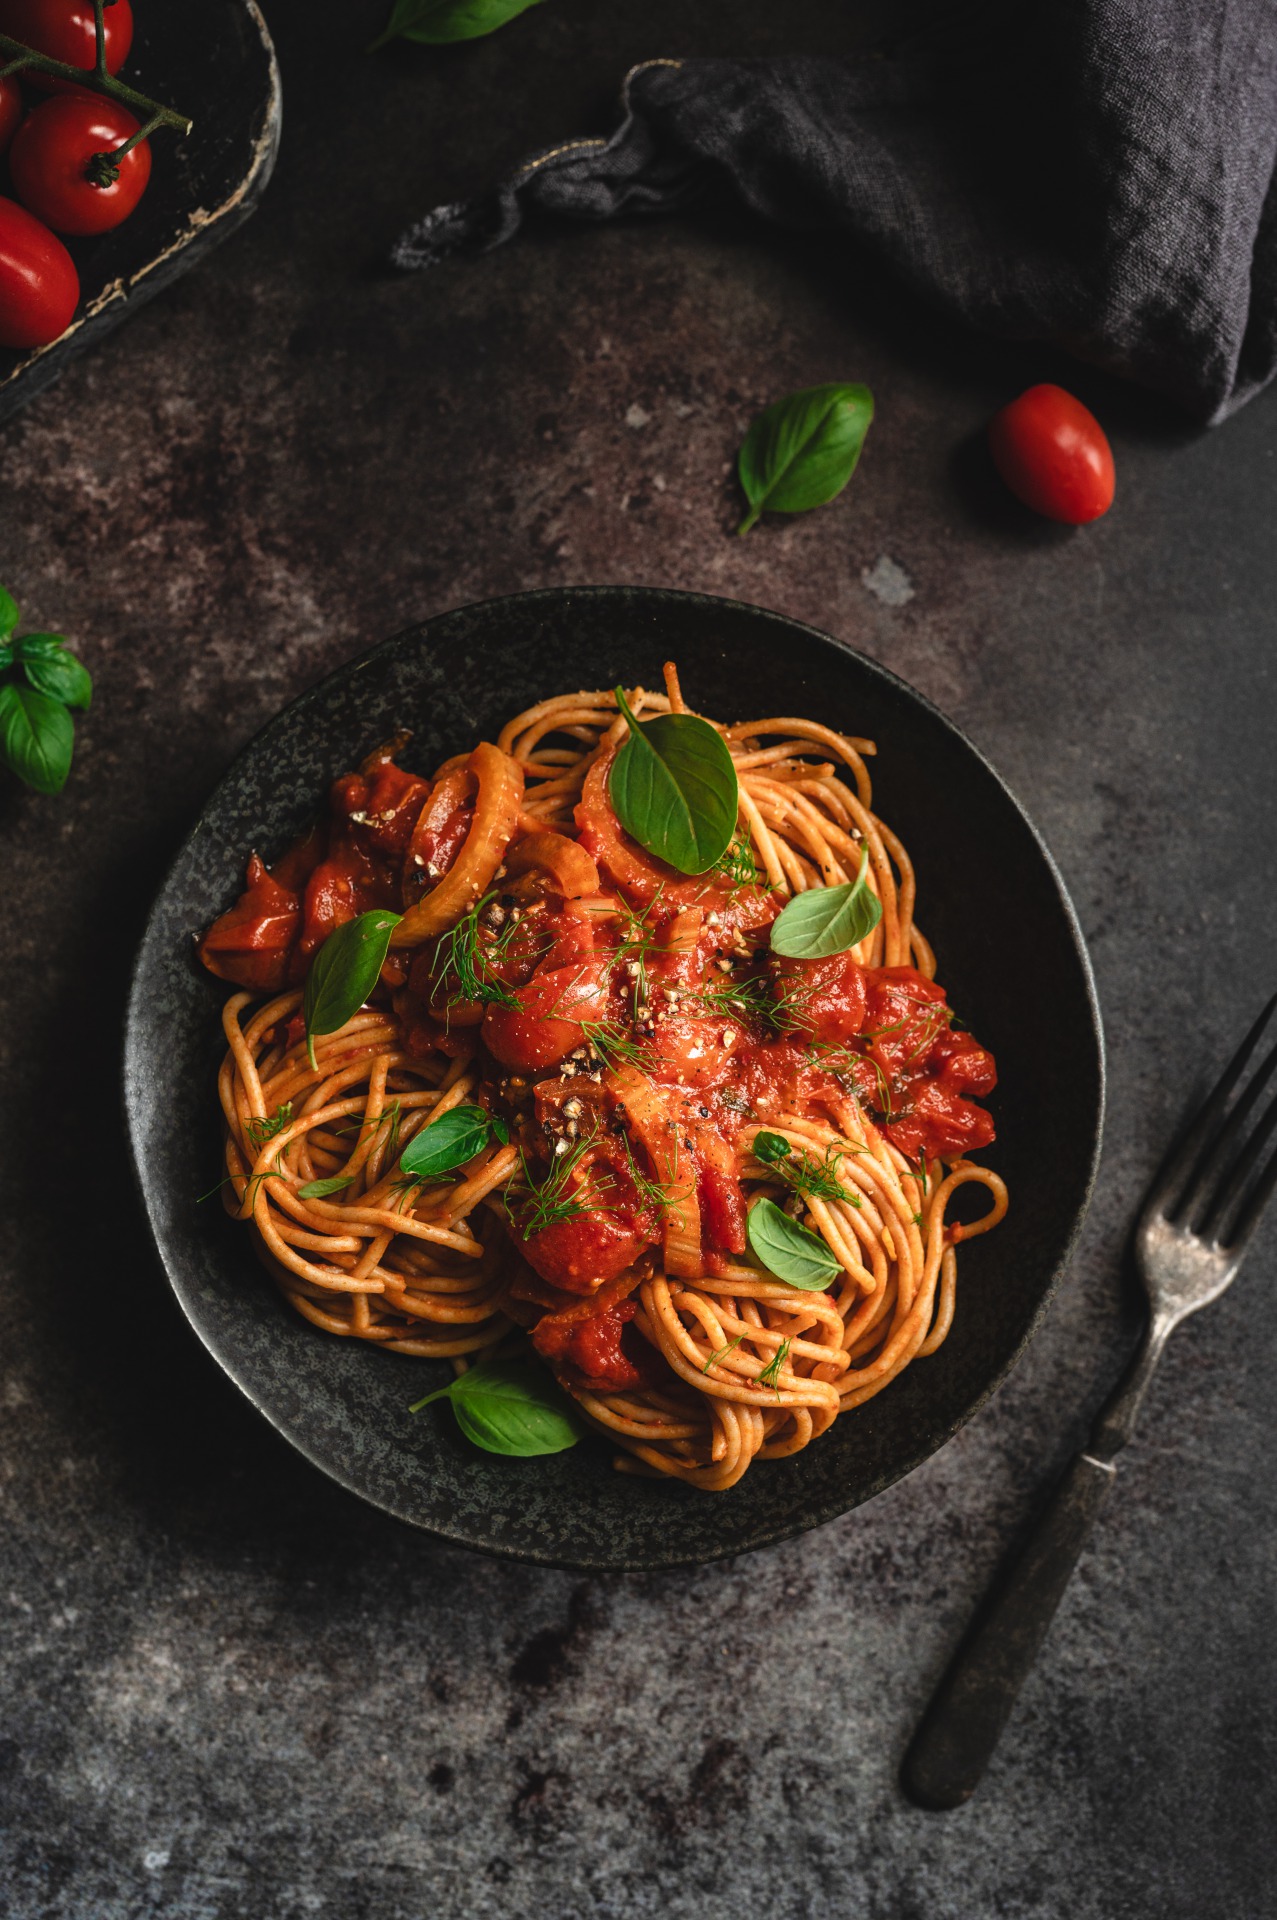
<point x="812" y="1516"/>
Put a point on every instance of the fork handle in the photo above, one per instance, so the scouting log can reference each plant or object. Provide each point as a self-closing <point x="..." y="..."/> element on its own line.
<point x="963" y="1724"/>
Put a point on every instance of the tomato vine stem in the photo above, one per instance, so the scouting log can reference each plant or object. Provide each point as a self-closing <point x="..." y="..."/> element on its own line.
<point x="150" y="111"/>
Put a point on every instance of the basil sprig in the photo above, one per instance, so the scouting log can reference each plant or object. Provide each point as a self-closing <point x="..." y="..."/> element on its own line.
<point x="511" y="1407"/>
<point x="435" y="23"/>
<point x="827" y="920"/>
<point x="451" y="1140"/>
<point x="792" y="1252"/>
<point x="803" y="450"/>
<point x="673" y="785"/>
<point x="344" y="972"/>
<point x="39" y="681"/>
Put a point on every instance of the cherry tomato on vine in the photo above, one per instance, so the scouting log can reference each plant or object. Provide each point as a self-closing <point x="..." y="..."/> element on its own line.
<point x="67" y="30"/>
<point x="50" y="156"/>
<point x="39" y="286"/>
<point x="10" y="110"/>
<point x="1053" y="454"/>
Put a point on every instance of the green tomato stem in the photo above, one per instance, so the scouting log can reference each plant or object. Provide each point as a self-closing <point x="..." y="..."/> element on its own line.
<point x="145" y="107"/>
<point x="103" y="169"/>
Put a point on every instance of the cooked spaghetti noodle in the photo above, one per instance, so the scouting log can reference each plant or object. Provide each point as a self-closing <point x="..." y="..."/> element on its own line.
<point x="635" y="1035"/>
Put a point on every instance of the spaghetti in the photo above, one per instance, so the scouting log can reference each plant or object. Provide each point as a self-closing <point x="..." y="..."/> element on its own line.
<point x="635" y="1039"/>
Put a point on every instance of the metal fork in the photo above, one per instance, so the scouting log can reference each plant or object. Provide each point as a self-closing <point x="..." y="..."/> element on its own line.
<point x="1197" y="1222"/>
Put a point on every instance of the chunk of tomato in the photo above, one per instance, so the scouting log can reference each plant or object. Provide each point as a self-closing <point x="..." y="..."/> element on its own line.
<point x="381" y="808"/>
<point x="826" y="996"/>
<point x="251" y="943"/>
<point x="941" y="1123"/>
<point x="580" y="1253"/>
<point x="545" y="1023"/>
<point x="599" y="1351"/>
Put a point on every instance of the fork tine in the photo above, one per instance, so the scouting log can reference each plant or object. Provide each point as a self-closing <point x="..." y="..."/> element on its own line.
<point x="1233" y="1189"/>
<point x="1196" y="1199"/>
<point x="1248" y="1219"/>
<point x="1162" y="1195"/>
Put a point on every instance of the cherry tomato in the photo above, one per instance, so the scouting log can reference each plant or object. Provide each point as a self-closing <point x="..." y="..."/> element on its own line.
<point x="39" y="286"/>
<point x="50" y="157"/>
<point x="10" y="110"/>
<point x="67" y="30"/>
<point x="1053" y="454"/>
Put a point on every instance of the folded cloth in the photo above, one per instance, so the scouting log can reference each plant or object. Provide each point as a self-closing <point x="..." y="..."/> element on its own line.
<point x="1095" y="174"/>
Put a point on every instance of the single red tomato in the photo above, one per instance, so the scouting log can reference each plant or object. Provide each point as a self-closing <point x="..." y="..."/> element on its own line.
<point x="39" y="286"/>
<point x="1053" y="454"/>
<point x="49" y="163"/>
<point x="67" y="30"/>
<point x="10" y="110"/>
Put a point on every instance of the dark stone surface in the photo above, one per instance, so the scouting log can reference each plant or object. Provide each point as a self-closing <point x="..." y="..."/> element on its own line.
<point x="228" y="1689"/>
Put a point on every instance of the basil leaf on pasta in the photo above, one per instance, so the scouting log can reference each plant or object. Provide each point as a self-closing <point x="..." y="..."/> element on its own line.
<point x="673" y="786"/>
<point x="344" y="972"/>
<point x="37" y="738"/>
<point x="792" y="1252"/>
<point x="436" y="23"/>
<point x="320" y="1189"/>
<point x="451" y="1140"/>
<point x="511" y="1407"/>
<point x="827" y="920"/>
<point x="771" y="1148"/>
<point x="803" y="450"/>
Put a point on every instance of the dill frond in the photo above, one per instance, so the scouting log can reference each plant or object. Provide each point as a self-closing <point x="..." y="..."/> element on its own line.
<point x="259" y="1131"/>
<point x="770" y="1375"/>
<point x="469" y="950"/>
<point x="738" y="864"/>
<point x="532" y="1205"/>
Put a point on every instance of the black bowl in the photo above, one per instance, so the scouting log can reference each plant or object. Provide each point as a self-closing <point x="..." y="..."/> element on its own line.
<point x="1009" y="950"/>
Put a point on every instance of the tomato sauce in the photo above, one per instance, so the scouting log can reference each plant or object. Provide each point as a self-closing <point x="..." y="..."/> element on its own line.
<point x="626" y="1038"/>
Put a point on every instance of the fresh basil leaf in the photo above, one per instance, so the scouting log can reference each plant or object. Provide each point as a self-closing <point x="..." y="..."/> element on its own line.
<point x="8" y="613"/>
<point x="435" y="23"/>
<point x="344" y="972"/>
<point x="511" y="1407"/>
<point x="803" y="450"/>
<point x="38" y="646"/>
<point x="49" y="666"/>
<point x="792" y="1252"/>
<point x="827" y="920"/>
<point x="451" y="1140"/>
<point x="771" y="1148"/>
<point x="673" y="785"/>
<point x="36" y="737"/>
<point x="320" y="1189"/>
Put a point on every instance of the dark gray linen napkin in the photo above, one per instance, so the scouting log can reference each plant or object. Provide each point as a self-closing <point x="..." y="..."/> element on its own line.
<point x="1094" y="174"/>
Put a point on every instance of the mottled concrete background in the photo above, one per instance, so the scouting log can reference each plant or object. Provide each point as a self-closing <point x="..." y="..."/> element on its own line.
<point x="228" y="1690"/>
